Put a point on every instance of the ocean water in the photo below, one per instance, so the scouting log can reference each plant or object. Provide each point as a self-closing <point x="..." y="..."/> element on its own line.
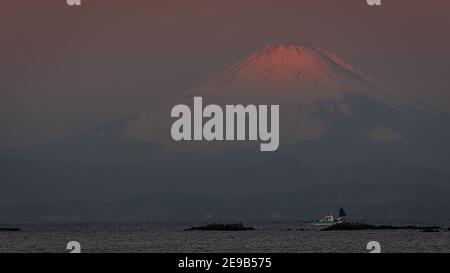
<point x="269" y="237"/>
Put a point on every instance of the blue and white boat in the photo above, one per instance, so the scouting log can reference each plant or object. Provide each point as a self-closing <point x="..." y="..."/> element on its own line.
<point x="329" y="220"/>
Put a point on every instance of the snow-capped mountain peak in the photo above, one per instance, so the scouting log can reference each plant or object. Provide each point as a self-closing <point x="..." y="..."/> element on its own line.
<point x="315" y="90"/>
<point x="305" y="74"/>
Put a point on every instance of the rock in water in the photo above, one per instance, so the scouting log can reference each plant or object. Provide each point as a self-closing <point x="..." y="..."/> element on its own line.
<point x="10" y="229"/>
<point x="222" y="227"/>
<point x="364" y="226"/>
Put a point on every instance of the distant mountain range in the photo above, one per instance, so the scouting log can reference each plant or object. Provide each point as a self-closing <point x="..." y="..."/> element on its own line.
<point x="62" y="191"/>
<point x="345" y="141"/>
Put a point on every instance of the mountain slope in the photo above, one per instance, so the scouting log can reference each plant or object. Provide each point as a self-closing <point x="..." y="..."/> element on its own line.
<point x="307" y="74"/>
<point x="319" y="94"/>
<point x="330" y="112"/>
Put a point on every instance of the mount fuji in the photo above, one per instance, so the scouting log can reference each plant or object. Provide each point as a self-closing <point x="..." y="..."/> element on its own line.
<point x="330" y="112"/>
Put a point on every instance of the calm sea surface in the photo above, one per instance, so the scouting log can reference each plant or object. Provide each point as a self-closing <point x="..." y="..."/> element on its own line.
<point x="269" y="237"/>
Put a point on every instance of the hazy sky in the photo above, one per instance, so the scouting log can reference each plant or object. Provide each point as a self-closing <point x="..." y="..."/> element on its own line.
<point x="65" y="69"/>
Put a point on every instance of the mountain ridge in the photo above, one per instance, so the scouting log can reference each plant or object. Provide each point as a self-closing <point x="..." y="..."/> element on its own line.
<point x="298" y="68"/>
<point x="317" y="125"/>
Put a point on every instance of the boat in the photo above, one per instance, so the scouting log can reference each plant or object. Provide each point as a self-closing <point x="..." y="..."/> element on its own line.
<point x="329" y="220"/>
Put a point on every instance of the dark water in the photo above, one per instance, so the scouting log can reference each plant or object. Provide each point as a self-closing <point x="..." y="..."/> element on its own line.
<point x="269" y="237"/>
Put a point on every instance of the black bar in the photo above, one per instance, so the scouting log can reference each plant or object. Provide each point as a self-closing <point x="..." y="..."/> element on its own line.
<point x="171" y="262"/>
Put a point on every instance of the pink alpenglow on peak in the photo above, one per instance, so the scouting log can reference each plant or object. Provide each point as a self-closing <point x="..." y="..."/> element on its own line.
<point x="313" y="87"/>
<point x="304" y="73"/>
